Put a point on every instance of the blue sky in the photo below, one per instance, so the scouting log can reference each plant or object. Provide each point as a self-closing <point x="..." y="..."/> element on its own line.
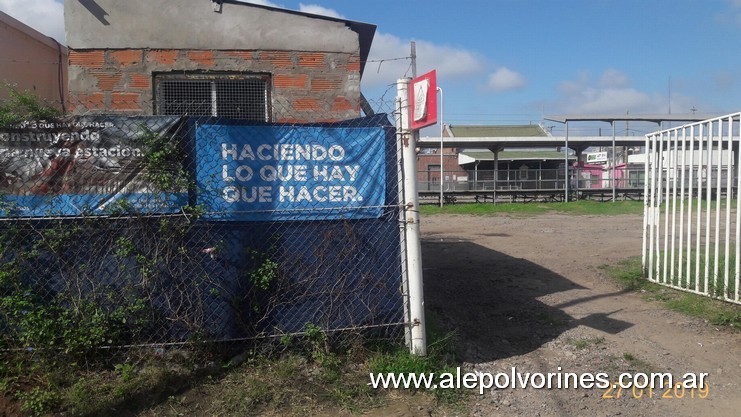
<point x="511" y="61"/>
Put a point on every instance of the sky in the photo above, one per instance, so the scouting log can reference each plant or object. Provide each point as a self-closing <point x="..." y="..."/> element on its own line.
<point x="515" y="61"/>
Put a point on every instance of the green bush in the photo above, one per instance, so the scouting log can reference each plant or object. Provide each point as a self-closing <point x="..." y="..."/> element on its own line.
<point x="22" y="107"/>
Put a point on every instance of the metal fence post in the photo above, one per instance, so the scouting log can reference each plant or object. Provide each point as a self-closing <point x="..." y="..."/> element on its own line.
<point x="412" y="251"/>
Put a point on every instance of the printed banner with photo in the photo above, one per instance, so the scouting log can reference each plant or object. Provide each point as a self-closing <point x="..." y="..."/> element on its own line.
<point x="86" y="165"/>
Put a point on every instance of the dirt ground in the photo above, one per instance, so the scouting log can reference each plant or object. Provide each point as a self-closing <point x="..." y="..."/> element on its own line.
<point x="527" y="292"/>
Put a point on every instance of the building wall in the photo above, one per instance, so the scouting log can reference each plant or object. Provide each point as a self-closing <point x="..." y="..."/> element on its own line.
<point x="429" y="178"/>
<point x="31" y="61"/>
<point x="193" y="24"/>
<point x="116" y="46"/>
<point x="306" y="86"/>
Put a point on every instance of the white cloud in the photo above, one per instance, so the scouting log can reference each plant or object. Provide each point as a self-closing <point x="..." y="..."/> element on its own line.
<point x="724" y="80"/>
<point x="732" y="16"/>
<point x="612" y="93"/>
<point x="613" y="78"/>
<point x="504" y="79"/>
<point x="394" y="52"/>
<point x="262" y="3"/>
<point x="320" y="10"/>
<point x="46" y="16"/>
<point x="450" y="62"/>
<point x="304" y="8"/>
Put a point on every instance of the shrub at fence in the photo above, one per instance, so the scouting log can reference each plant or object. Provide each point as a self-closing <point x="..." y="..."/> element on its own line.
<point x="134" y="230"/>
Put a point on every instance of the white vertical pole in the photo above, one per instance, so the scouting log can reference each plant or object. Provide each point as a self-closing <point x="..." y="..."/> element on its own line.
<point x="666" y="137"/>
<point x="659" y="198"/>
<point x="708" y="193"/>
<point x="651" y="159"/>
<point x="729" y="196"/>
<point x="674" y="167"/>
<point x="410" y="205"/>
<point x="566" y="165"/>
<point x="682" y="281"/>
<point x="658" y="164"/>
<point x="737" y="169"/>
<point x="442" y="129"/>
<point x="647" y="211"/>
<point x="718" y="189"/>
<point x="614" y="162"/>
<point x="689" y="206"/>
<point x="698" y="233"/>
<point x="402" y="218"/>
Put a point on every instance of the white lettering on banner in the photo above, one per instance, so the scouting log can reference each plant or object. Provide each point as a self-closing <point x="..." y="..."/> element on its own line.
<point x="50" y="137"/>
<point x="334" y="172"/>
<point x="333" y="193"/>
<point x="281" y="152"/>
<point x="265" y="163"/>
<point x="117" y="151"/>
<point x="234" y="194"/>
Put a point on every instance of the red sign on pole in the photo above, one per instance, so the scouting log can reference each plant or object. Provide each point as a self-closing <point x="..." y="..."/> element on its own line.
<point x="423" y="101"/>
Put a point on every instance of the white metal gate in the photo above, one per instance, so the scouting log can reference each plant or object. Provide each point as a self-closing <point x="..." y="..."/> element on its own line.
<point x="691" y="222"/>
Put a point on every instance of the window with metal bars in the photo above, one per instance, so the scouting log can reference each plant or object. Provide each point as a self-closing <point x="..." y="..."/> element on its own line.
<point x="236" y="96"/>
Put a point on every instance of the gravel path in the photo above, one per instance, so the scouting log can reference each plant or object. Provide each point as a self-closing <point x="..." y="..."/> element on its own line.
<point x="527" y="292"/>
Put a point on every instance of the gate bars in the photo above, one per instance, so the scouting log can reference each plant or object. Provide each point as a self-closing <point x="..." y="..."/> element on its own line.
<point x="691" y="208"/>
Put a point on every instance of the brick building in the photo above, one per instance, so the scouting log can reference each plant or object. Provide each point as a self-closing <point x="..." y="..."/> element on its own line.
<point x="213" y="57"/>
<point x="428" y="165"/>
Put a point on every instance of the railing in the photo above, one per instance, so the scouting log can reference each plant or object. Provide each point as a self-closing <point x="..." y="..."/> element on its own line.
<point x="692" y="225"/>
<point x="532" y="179"/>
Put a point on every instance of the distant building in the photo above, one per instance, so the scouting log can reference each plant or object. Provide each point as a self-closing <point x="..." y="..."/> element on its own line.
<point x="221" y="58"/>
<point x="487" y="169"/>
<point x="31" y="61"/>
<point x="429" y="173"/>
<point x="519" y="169"/>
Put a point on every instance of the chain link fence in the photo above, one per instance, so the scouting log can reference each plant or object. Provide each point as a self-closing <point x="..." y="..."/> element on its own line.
<point x="125" y="230"/>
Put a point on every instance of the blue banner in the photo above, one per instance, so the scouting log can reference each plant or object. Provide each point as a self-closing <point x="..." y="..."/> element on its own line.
<point x="264" y="173"/>
<point x="87" y="165"/>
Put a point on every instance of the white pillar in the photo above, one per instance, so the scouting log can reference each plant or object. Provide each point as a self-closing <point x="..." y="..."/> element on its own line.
<point x="410" y="207"/>
<point x="614" y="161"/>
<point x="442" y="160"/>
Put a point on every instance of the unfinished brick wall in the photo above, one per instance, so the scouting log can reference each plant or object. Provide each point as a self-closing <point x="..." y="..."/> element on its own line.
<point x="306" y="86"/>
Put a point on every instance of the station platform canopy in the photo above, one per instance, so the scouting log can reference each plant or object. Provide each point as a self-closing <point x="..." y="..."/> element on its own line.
<point x="496" y="137"/>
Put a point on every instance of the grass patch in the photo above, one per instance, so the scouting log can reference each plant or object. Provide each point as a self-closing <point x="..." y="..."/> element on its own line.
<point x="318" y="374"/>
<point x="628" y="273"/>
<point x="586" y="342"/>
<point x="440" y="359"/>
<point x="638" y="364"/>
<point x="582" y="207"/>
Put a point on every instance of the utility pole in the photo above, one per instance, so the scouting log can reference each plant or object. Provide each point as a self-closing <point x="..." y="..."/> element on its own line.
<point x="414" y="59"/>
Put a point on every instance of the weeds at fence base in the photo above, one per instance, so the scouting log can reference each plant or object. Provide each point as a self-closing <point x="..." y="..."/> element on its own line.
<point x="308" y="374"/>
<point x="140" y="379"/>
<point x="628" y="274"/>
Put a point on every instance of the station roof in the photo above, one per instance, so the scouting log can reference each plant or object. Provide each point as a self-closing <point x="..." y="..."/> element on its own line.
<point x="655" y="118"/>
<point x="497" y="130"/>
<point x="482" y="155"/>
<point x="500" y="137"/>
<point x="577" y="143"/>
